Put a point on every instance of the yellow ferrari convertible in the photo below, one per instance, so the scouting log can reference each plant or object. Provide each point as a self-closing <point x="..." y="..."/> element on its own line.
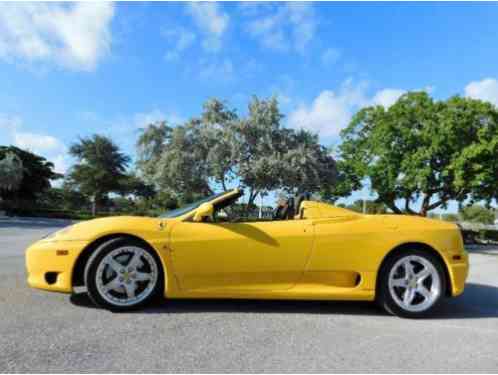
<point x="308" y="250"/>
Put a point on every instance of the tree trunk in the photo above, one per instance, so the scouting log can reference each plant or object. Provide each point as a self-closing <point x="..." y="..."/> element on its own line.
<point x="392" y="206"/>
<point x="223" y="185"/>
<point x="425" y="205"/>
<point x="252" y="197"/>
<point x="95" y="205"/>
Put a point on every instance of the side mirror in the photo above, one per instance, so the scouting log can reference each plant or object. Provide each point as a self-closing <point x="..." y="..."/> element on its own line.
<point x="203" y="211"/>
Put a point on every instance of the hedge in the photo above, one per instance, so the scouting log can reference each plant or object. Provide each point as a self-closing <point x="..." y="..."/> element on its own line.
<point x="69" y="214"/>
<point x="481" y="236"/>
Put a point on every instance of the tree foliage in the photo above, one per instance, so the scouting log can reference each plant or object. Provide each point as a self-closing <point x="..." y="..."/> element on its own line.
<point x="478" y="214"/>
<point x="63" y="198"/>
<point x="37" y="173"/>
<point x="418" y="148"/>
<point x="101" y="168"/>
<point x="220" y="149"/>
<point x="11" y="172"/>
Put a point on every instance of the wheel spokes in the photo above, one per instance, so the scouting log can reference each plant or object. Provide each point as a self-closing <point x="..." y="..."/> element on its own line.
<point x="414" y="283"/>
<point x="408" y="268"/>
<point x="424" y="292"/>
<point x="114" y="264"/>
<point x="114" y="284"/>
<point x="135" y="261"/>
<point x="130" y="289"/>
<point x="142" y="276"/>
<point x="408" y="296"/>
<point x="399" y="282"/>
<point x="126" y="276"/>
<point x="422" y="275"/>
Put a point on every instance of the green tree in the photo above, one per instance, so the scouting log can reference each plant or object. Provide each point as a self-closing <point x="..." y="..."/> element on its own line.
<point x="173" y="158"/>
<point x="101" y="168"/>
<point x="478" y="214"/>
<point x="450" y="217"/>
<point x="260" y="149"/>
<point x="219" y="148"/>
<point x="150" y="145"/>
<point x="64" y="198"/>
<point x="190" y="158"/>
<point x="306" y="165"/>
<point x="131" y="184"/>
<point x="37" y="173"/>
<point x="435" y="151"/>
<point x="11" y="172"/>
<point x="474" y="126"/>
<point x="218" y="140"/>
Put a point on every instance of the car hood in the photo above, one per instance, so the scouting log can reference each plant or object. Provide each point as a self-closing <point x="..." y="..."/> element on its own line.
<point x="91" y="229"/>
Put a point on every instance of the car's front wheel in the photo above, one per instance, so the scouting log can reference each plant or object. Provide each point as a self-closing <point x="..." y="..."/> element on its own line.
<point x="123" y="275"/>
<point x="412" y="283"/>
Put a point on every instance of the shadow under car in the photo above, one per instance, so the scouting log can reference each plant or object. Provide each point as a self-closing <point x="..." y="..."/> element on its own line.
<point x="477" y="301"/>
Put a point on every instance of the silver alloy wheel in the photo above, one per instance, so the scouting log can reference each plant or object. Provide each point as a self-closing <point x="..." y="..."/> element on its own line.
<point x="414" y="283"/>
<point x="126" y="276"/>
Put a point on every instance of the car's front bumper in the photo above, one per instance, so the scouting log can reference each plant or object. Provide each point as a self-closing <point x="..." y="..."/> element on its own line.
<point x="50" y="264"/>
<point x="458" y="270"/>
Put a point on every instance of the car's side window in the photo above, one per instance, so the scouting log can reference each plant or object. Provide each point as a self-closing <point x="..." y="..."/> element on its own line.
<point x="237" y="211"/>
<point x="240" y="213"/>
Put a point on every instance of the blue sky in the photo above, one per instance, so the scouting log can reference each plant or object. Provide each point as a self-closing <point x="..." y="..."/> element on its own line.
<point x="69" y="70"/>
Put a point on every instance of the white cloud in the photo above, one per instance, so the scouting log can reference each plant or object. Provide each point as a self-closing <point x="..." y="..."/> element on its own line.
<point x="429" y="89"/>
<point x="141" y="120"/>
<point x="41" y="144"/>
<point x="75" y="36"/>
<point x="212" y="21"/>
<point x="218" y="71"/>
<point x="486" y="90"/>
<point x="61" y="164"/>
<point x="290" y="26"/>
<point x="181" y="39"/>
<point x="37" y="143"/>
<point x="330" y="56"/>
<point x="331" y="111"/>
<point x="387" y="97"/>
<point x="302" y="16"/>
<point x="9" y="124"/>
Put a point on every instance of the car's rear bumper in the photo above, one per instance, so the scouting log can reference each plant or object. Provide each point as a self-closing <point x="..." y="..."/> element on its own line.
<point x="50" y="265"/>
<point x="458" y="272"/>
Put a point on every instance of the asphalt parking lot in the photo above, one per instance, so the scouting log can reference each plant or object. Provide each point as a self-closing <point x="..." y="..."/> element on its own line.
<point x="49" y="332"/>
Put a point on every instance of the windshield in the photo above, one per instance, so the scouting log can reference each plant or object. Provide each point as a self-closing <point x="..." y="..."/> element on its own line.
<point x="192" y="206"/>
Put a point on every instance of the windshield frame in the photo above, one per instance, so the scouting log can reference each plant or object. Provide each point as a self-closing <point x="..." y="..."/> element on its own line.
<point x="185" y="211"/>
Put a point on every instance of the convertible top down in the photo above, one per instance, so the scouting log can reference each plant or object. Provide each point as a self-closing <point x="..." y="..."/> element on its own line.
<point x="310" y="250"/>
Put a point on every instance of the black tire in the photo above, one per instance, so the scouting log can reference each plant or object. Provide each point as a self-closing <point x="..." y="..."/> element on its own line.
<point x="387" y="301"/>
<point x="92" y="266"/>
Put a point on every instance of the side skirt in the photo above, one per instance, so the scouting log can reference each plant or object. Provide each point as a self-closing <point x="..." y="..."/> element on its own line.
<point x="296" y="293"/>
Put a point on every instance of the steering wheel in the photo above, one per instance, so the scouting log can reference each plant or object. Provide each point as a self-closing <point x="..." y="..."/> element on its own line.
<point x="280" y="212"/>
<point x="286" y="211"/>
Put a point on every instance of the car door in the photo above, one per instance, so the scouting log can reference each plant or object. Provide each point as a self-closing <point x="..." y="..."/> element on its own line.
<point x="248" y="256"/>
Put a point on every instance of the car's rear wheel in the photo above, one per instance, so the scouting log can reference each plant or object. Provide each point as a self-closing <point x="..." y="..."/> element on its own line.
<point x="412" y="284"/>
<point x="123" y="274"/>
